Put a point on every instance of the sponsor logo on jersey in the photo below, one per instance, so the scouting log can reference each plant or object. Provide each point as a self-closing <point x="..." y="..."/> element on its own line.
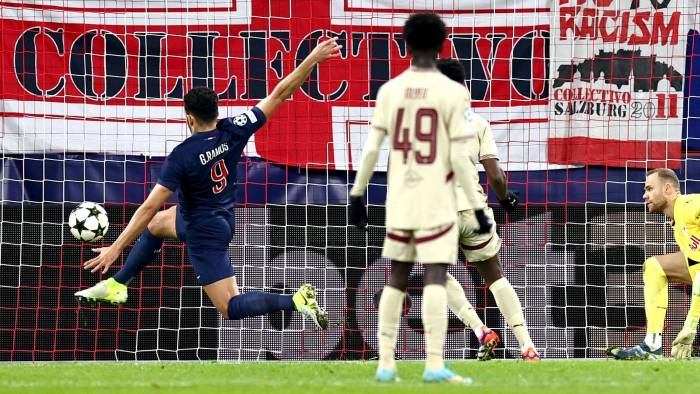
<point x="694" y="242"/>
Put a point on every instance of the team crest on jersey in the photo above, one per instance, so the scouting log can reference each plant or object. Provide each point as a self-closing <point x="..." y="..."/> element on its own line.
<point x="412" y="179"/>
<point x="240" y="120"/>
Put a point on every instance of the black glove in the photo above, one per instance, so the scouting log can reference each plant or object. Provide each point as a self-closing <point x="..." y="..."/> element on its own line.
<point x="510" y="202"/>
<point x="484" y="222"/>
<point x="358" y="213"/>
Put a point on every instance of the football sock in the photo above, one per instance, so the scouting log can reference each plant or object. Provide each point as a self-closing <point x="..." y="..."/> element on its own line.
<point x="258" y="303"/>
<point x="141" y="254"/>
<point x="653" y="341"/>
<point x="460" y="306"/>
<point x="434" y="324"/>
<point x="655" y="295"/>
<point x="390" y="305"/>
<point x="509" y="305"/>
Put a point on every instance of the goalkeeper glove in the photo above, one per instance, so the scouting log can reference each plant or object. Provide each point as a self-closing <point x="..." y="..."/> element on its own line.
<point x="358" y="213"/>
<point x="510" y="202"/>
<point x="484" y="222"/>
<point x="683" y="344"/>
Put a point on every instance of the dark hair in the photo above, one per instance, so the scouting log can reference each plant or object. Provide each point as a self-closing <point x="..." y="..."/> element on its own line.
<point x="202" y="103"/>
<point x="667" y="175"/>
<point x="452" y="69"/>
<point x="424" y="32"/>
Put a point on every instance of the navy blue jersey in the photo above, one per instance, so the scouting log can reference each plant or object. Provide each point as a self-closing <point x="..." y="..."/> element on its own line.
<point x="203" y="167"/>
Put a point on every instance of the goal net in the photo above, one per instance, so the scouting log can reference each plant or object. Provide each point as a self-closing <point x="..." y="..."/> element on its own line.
<point x="583" y="97"/>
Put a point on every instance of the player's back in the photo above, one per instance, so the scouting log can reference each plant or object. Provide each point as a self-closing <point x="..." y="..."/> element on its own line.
<point x="421" y="112"/>
<point x="203" y="168"/>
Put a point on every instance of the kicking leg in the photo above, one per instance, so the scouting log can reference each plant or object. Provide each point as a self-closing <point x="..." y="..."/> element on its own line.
<point x="151" y="240"/>
<point x="509" y="304"/>
<point x="462" y="308"/>
<point x="113" y="290"/>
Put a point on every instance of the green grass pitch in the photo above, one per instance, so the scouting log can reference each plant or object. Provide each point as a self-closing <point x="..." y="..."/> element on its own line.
<point x="591" y="377"/>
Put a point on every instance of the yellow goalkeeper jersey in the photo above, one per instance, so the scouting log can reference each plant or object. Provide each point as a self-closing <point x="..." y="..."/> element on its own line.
<point x="686" y="225"/>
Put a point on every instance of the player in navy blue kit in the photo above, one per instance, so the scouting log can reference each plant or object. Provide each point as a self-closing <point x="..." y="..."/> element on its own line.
<point x="202" y="169"/>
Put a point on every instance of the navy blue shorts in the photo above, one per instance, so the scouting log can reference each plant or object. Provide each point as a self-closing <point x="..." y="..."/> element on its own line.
<point x="207" y="243"/>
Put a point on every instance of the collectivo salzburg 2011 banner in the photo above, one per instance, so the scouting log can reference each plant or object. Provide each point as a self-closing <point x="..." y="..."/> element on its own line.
<point x="79" y="77"/>
<point x="617" y="81"/>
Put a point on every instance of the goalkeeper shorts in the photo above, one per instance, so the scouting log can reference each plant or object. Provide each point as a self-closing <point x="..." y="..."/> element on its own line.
<point x="477" y="247"/>
<point x="425" y="246"/>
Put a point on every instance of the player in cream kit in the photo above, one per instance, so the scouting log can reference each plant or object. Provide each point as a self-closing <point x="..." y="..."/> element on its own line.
<point x="422" y="112"/>
<point x="481" y="250"/>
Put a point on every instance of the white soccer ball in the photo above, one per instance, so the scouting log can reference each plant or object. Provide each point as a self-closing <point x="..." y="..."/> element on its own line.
<point x="88" y="222"/>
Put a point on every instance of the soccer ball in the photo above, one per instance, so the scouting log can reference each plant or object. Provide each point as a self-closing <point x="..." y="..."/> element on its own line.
<point x="88" y="222"/>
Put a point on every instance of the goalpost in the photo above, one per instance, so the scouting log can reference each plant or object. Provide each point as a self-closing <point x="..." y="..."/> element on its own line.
<point x="91" y="103"/>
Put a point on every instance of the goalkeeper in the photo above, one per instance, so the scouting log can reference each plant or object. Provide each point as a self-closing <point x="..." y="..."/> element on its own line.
<point x="662" y="194"/>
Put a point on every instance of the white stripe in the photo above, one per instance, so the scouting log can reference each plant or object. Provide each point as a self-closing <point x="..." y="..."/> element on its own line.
<point x="241" y="16"/>
<point x="252" y="116"/>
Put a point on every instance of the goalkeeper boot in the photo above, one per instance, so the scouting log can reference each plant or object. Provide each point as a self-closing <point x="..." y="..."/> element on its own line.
<point x="639" y="352"/>
<point x="385" y="375"/>
<point x="104" y="291"/>
<point x="305" y="303"/>
<point x="487" y="342"/>
<point x="531" y="355"/>
<point x="444" y="376"/>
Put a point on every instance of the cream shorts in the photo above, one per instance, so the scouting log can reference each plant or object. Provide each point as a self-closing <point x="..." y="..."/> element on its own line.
<point x="425" y="246"/>
<point x="477" y="247"/>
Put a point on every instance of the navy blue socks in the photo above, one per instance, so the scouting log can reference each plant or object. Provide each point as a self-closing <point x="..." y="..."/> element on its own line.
<point x="141" y="254"/>
<point x="257" y="303"/>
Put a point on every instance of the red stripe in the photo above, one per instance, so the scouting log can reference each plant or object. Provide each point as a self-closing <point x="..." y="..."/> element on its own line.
<point x="434" y="236"/>
<point x="399" y="238"/>
<point x="89" y="118"/>
<point x="449" y="176"/>
<point x="617" y="153"/>
<point x="402" y="239"/>
<point x="517" y="121"/>
<point x="477" y="247"/>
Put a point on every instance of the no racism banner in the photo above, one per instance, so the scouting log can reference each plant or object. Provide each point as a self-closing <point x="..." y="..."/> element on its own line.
<point x="617" y="81"/>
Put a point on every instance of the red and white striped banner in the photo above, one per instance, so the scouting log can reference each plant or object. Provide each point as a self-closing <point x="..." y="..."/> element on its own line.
<point x="80" y="77"/>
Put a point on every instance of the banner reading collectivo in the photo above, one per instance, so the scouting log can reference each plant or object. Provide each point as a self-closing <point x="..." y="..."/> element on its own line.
<point x="79" y="77"/>
<point x="617" y="81"/>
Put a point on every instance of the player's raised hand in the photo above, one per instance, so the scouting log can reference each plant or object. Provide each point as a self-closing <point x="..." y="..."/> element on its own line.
<point x="103" y="260"/>
<point x="358" y="213"/>
<point x="328" y="49"/>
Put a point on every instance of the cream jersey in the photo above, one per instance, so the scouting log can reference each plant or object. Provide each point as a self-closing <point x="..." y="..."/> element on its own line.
<point x="422" y="112"/>
<point x="686" y="225"/>
<point x="483" y="148"/>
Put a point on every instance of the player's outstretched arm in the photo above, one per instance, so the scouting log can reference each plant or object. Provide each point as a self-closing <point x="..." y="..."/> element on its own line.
<point x="497" y="180"/>
<point x="370" y="155"/>
<point x="137" y="224"/>
<point x="326" y="50"/>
